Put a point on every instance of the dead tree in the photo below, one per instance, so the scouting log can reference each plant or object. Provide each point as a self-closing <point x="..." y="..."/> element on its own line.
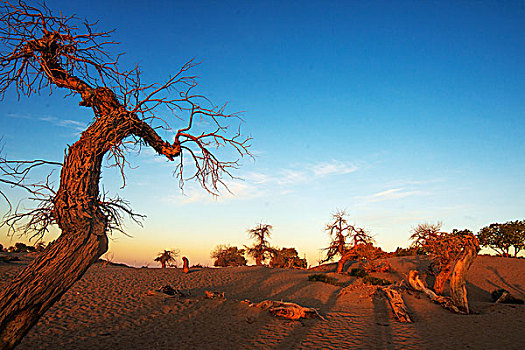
<point x="167" y="258"/>
<point x="261" y="249"/>
<point x="452" y="254"/>
<point x="341" y="232"/>
<point x="41" y="50"/>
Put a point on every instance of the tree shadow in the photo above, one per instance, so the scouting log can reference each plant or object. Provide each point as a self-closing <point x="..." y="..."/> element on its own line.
<point x="514" y="287"/>
<point x="383" y="333"/>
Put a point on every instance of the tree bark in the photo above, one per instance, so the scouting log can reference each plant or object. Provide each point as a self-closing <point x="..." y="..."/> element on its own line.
<point x="458" y="291"/>
<point x="441" y="279"/>
<point x="340" y="265"/>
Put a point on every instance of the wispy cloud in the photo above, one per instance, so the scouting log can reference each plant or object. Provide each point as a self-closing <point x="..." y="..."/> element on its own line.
<point x="393" y="193"/>
<point x="65" y="123"/>
<point x="260" y="184"/>
<point x="334" y="167"/>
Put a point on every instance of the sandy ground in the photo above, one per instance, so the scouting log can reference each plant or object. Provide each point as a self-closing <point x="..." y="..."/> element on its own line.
<point x="109" y="308"/>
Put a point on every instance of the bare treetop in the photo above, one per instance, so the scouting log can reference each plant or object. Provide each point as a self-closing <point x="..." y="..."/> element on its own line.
<point x="45" y="50"/>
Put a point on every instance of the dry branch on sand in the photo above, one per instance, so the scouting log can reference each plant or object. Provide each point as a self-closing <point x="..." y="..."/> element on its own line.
<point x="397" y="304"/>
<point x="416" y="283"/>
<point x="288" y="310"/>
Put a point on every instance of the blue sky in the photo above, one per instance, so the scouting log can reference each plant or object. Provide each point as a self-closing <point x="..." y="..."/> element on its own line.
<point x="399" y="112"/>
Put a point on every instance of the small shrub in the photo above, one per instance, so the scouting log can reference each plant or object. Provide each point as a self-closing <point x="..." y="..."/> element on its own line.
<point x="375" y="281"/>
<point x="358" y="272"/>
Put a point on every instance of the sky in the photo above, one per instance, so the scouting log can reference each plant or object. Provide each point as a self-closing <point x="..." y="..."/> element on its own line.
<point x="399" y="112"/>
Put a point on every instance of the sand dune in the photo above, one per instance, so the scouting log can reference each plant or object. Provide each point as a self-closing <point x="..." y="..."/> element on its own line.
<point x="109" y="308"/>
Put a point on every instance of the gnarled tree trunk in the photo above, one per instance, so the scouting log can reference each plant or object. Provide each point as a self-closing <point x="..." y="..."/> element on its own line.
<point x="340" y="265"/>
<point x="458" y="291"/>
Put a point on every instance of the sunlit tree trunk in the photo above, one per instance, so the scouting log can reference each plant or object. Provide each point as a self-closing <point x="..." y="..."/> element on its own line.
<point x="458" y="290"/>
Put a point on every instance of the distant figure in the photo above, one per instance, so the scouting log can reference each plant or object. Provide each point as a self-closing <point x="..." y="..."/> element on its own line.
<point x="186" y="267"/>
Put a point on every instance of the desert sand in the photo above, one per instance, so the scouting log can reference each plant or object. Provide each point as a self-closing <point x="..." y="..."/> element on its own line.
<point x="110" y="308"/>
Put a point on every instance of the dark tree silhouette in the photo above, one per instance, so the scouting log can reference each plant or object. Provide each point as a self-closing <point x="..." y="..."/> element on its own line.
<point x="167" y="258"/>
<point x="40" y="51"/>
<point x="341" y="233"/>
<point x="261" y="249"/>
<point x="228" y="256"/>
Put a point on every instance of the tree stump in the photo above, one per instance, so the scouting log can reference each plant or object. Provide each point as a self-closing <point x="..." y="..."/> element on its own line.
<point x="186" y="267"/>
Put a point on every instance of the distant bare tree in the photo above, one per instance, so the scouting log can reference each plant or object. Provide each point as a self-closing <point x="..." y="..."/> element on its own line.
<point x="167" y="258"/>
<point x="261" y="249"/>
<point x="345" y="239"/>
<point x="43" y="51"/>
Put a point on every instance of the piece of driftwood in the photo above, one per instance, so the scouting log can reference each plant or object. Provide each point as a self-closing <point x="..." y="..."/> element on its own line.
<point x="288" y="310"/>
<point x="397" y="304"/>
<point x="213" y="295"/>
<point x="186" y="267"/>
<point x="416" y="283"/>
<point x="502" y="296"/>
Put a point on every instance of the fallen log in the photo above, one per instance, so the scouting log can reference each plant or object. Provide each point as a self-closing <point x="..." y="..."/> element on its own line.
<point x="288" y="310"/>
<point x="397" y="304"/>
<point x="446" y="302"/>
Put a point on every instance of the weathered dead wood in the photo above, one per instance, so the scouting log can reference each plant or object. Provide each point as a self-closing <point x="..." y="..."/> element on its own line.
<point x="441" y="278"/>
<point x="459" y="275"/>
<point x="446" y="302"/>
<point x="288" y="310"/>
<point x="502" y="296"/>
<point x="213" y="295"/>
<point x="397" y="304"/>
